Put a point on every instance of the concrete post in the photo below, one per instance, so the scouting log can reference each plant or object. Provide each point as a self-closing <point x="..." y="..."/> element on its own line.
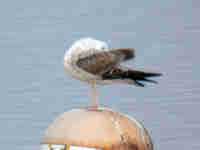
<point x="96" y="129"/>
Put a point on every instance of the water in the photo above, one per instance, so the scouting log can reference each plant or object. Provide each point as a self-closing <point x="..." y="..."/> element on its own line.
<point x="34" y="88"/>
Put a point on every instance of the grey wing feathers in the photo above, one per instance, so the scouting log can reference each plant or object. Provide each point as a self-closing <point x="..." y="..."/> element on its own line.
<point x="125" y="53"/>
<point x="102" y="62"/>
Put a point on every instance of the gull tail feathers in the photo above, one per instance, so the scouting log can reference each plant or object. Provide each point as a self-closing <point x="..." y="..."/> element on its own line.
<point x="131" y="76"/>
<point x="140" y="76"/>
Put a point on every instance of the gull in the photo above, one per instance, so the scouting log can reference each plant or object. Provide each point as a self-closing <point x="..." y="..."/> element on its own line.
<point x="91" y="60"/>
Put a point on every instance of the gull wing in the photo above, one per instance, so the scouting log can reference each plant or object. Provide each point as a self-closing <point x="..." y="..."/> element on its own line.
<point x="102" y="62"/>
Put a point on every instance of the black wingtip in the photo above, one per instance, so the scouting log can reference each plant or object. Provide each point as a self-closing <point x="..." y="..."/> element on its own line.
<point x="151" y="74"/>
<point x="139" y="77"/>
<point x="139" y="84"/>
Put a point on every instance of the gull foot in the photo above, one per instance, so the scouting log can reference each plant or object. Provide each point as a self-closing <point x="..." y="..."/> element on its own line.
<point x="94" y="107"/>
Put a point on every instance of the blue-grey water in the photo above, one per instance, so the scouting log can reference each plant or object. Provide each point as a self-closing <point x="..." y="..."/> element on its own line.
<point x="35" y="89"/>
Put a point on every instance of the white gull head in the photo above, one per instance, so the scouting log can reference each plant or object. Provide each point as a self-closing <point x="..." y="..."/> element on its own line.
<point x="82" y="48"/>
<point x="86" y="44"/>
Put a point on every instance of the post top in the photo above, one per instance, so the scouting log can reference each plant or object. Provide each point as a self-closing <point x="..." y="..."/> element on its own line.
<point x="101" y="128"/>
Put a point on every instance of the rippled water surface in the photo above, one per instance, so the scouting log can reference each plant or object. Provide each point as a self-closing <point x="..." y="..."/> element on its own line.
<point x="34" y="88"/>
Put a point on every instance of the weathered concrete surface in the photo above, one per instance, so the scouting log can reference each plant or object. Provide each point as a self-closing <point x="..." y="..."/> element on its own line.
<point x="102" y="128"/>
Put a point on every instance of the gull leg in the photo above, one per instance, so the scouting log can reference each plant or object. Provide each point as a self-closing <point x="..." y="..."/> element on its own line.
<point x="94" y="97"/>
